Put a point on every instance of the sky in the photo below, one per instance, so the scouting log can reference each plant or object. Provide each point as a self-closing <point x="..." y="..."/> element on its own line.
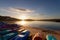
<point x="30" y="9"/>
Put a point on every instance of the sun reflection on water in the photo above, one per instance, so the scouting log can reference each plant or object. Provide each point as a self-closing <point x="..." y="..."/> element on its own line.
<point x="21" y="22"/>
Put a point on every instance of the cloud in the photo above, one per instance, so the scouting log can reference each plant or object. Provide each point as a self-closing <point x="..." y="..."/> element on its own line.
<point x="19" y="10"/>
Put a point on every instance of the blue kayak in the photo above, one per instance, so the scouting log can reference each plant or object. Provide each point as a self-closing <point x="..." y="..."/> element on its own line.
<point x="10" y="35"/>
<point x="23" y="36"/>
<point x="50" y="37"/>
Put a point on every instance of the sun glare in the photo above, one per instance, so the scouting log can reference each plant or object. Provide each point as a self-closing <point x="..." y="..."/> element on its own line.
<point x="23" y="18"/>
<point x="23" y="22"/>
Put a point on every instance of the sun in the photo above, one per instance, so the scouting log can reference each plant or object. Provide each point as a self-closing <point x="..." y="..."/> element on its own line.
<point x="23" y="17"/>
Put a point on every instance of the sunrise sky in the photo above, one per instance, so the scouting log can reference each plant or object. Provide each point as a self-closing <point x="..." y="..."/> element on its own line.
<point x="30" y="9"/>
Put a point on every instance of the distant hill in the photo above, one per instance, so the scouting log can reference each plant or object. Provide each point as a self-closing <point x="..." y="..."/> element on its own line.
<point x="29" y="20"/>
<point x="7" y="18"/>
<point x="54" y="20"/>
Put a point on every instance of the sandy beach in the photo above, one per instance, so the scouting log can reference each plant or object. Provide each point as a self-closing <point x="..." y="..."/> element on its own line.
<point x="43" y="32"/>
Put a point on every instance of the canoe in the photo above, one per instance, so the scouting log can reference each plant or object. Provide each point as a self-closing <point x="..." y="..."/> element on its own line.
<point x="22" y="36"/>
<point x="9" y="36"/>
<point x="50" y="37"/>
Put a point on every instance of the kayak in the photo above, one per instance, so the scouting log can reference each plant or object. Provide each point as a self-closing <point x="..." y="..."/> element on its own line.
<point x="0" y="37"/>
<point x="14" y="25"/>
<point x="9" y="36"/>
<point x="50" y="37"/>
<point x="22" y="36"/>
<point x="37" y="36"/>
<point x="6" y="31"/>
<point x="3" y="24"/>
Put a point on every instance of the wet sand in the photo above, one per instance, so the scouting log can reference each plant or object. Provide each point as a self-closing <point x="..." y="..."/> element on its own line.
<point x="43" y="32"/>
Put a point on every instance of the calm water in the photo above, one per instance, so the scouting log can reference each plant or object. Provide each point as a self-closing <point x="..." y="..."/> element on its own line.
<point x="40" y="24"/>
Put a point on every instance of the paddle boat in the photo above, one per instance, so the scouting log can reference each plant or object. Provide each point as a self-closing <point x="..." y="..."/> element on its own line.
<point x="50" y="37"/>
<point x="22" y="36"/>
<point x="9" y="36"/>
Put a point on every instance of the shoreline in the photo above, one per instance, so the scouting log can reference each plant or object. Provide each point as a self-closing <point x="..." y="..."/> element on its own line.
<point x="43" y="31"/>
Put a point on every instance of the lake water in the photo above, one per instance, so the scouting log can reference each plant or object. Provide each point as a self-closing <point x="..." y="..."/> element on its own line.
<point x="41" y="24"/>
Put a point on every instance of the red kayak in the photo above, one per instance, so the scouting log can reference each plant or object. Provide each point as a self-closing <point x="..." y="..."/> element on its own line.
<point x="37" y="36"/>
